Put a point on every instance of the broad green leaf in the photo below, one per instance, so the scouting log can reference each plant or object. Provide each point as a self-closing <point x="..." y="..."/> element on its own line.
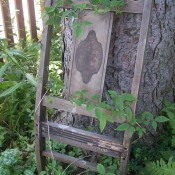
<point x="161" y="119"/>
<point x="78" y="31"/>
<point x="84" y="91"/>
<point x="10" y="90"/>
<point x="131" y="131"/>
<point x="31" y="79"/>
<point x="149" y="115"/>
<point x="75" y="24"/>
<point x="102" y="124"/>
<point x="66" y="13"/>
<point x="94" y="2"/>
<point x="173" y="141"/>
<point x="128" y="97"/>
<point x="167" y="154"/>
<point x="105" y="2"/>
<point x="113" y="94"/>
<point x="77" y="92"/>
<point x="95" y="97"/>
<point x="90" y="106"/>
<point x="102" y="104"/>
<point x="50" y="21"/>
<point x="79" y="101"/>
<point x="171" y="115"/>
<point x="154" y="125"/>
<point x="140" y="133"/>
<point x="120" y="115"/>
<point x="3" y="68"/>
<point x="167" y="103"/>
<point x="133" y="121"/>
<point x="119" y="102"/>
<point x="100" y="169"/>
<point x="98" y="113"/>
<point x="128" y="112"/>
<point x="28" y="172"/>
<point x="109" y="118"/>
<point x="123" y="127"/>
<point x="85" y="22"/>
<point x="49" y="9"/>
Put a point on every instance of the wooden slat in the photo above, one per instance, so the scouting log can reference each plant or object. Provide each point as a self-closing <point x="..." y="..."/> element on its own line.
<point x="42" y="80"/>
<point x="61" y="104"/>
<point x="131" y="5"/>
<point x="71" y="160"/>
<point x="32" y="19"/>
<point x="137" y="76"/>
<point x="6" y="17"/>
<point x="90" y="54"/>
<point x="20" y="20"/>
<point x="83" y="139"/>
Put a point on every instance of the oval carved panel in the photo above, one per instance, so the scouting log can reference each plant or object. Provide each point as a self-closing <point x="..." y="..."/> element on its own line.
<point x="89" y="56"/>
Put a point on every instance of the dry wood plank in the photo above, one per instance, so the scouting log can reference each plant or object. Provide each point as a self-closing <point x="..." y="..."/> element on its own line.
<point x="32" y="19"/>
<point x="6" y="17"/>
<point x="71" y="160"/>
<point x="42" y="80"/>
<point x="131" y="6"/>
<point x="20" y="20"/>
<point x="137" y="77"/>
<point x="90" y="54"/>
<point x="65" y="105"/>
<point x="83" y="139"/>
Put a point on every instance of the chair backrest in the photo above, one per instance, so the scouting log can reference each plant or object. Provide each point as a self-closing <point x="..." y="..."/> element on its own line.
<point x="88" y="67"/>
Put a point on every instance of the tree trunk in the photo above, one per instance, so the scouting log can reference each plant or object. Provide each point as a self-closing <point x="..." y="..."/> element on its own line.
<point x="158" y="81"/>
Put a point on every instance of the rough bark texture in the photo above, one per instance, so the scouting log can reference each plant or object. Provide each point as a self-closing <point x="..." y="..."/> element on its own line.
<point x="158" y="80"/>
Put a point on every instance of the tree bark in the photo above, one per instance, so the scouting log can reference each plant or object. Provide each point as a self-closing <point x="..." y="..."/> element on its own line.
<point x="158" y="80"/>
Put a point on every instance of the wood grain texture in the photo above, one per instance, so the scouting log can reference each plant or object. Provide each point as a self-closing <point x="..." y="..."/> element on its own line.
<point x="71" y="160"/>
<point x="42" y="80"/>
<point x="137" y="77"/>
<point x="6" y="17"/>
<point x="82" y="139"/>
<point x="62" y="104"/>
<point x="32" y="19"/>
<point x="101" y="25"/>
<point x="131" y="6"/>
<point x="20" y="20"/>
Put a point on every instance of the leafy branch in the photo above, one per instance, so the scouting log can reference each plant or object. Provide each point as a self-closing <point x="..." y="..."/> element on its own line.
<point x="118" y="107"/>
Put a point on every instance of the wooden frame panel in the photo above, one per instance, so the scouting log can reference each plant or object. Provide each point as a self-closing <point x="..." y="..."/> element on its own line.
<point x="70" y="160"/>
<point x="65" y="105"/>
<point x="131" y="6"/>
<point x="82" y="139"/>
<point x="137" y="77"/>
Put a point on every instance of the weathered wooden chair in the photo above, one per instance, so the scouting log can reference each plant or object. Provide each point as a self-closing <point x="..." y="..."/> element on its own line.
<point x="90" y="50"/>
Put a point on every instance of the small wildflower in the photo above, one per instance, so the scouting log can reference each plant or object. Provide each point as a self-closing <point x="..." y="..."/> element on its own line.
<point x="1" y="79"/>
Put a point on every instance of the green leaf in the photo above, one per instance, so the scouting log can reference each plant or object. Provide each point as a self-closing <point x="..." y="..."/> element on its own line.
<point x="3" y="68"/>
<point x="49" y="9"/>
<point x="133" y="121"/>
<point x="119" y="102"/>
<point x="31" y="79"/>
<point x="149" y="115"/>
<point x="78" y="31"/>
<point x="77" y="92"/>
<point x="50" y="21"/>
<point x="10" y="90"/>
<point x="28" y="172"/>
<point x="100" y="169"/>
<point x="49" y="99"/>
<point x="85" y="22"/>
<point x="167" y="154"/>
<point x="95" y="97"/>
<point x="102" y="104"/>
<point x="79" y="101"/>
<point x="120" y="115"/>
<point x="171" y="115"/>
<point x="131" y="131"/>
<point x="128" y="112"/>
<point x="75" y="24"/>
<point x="113" y="94"/>
<point x="98" y="113"/>
<point x="167" y="103"/>
<point x="84" y="91"/>
<point x="66" y="13"/>
<point x="89" y="106"/>
<point x="154" y="125"/>
<point x="123" y="127"/>
<point x="105" y="2"/>
<point x="102" y="124"/>
<point x="140" y="133"/>
<point x="94" y="2"/>
<point x="109" y="118"/>
<point x="161" y="119"/>
<point x="128" y="97"/>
